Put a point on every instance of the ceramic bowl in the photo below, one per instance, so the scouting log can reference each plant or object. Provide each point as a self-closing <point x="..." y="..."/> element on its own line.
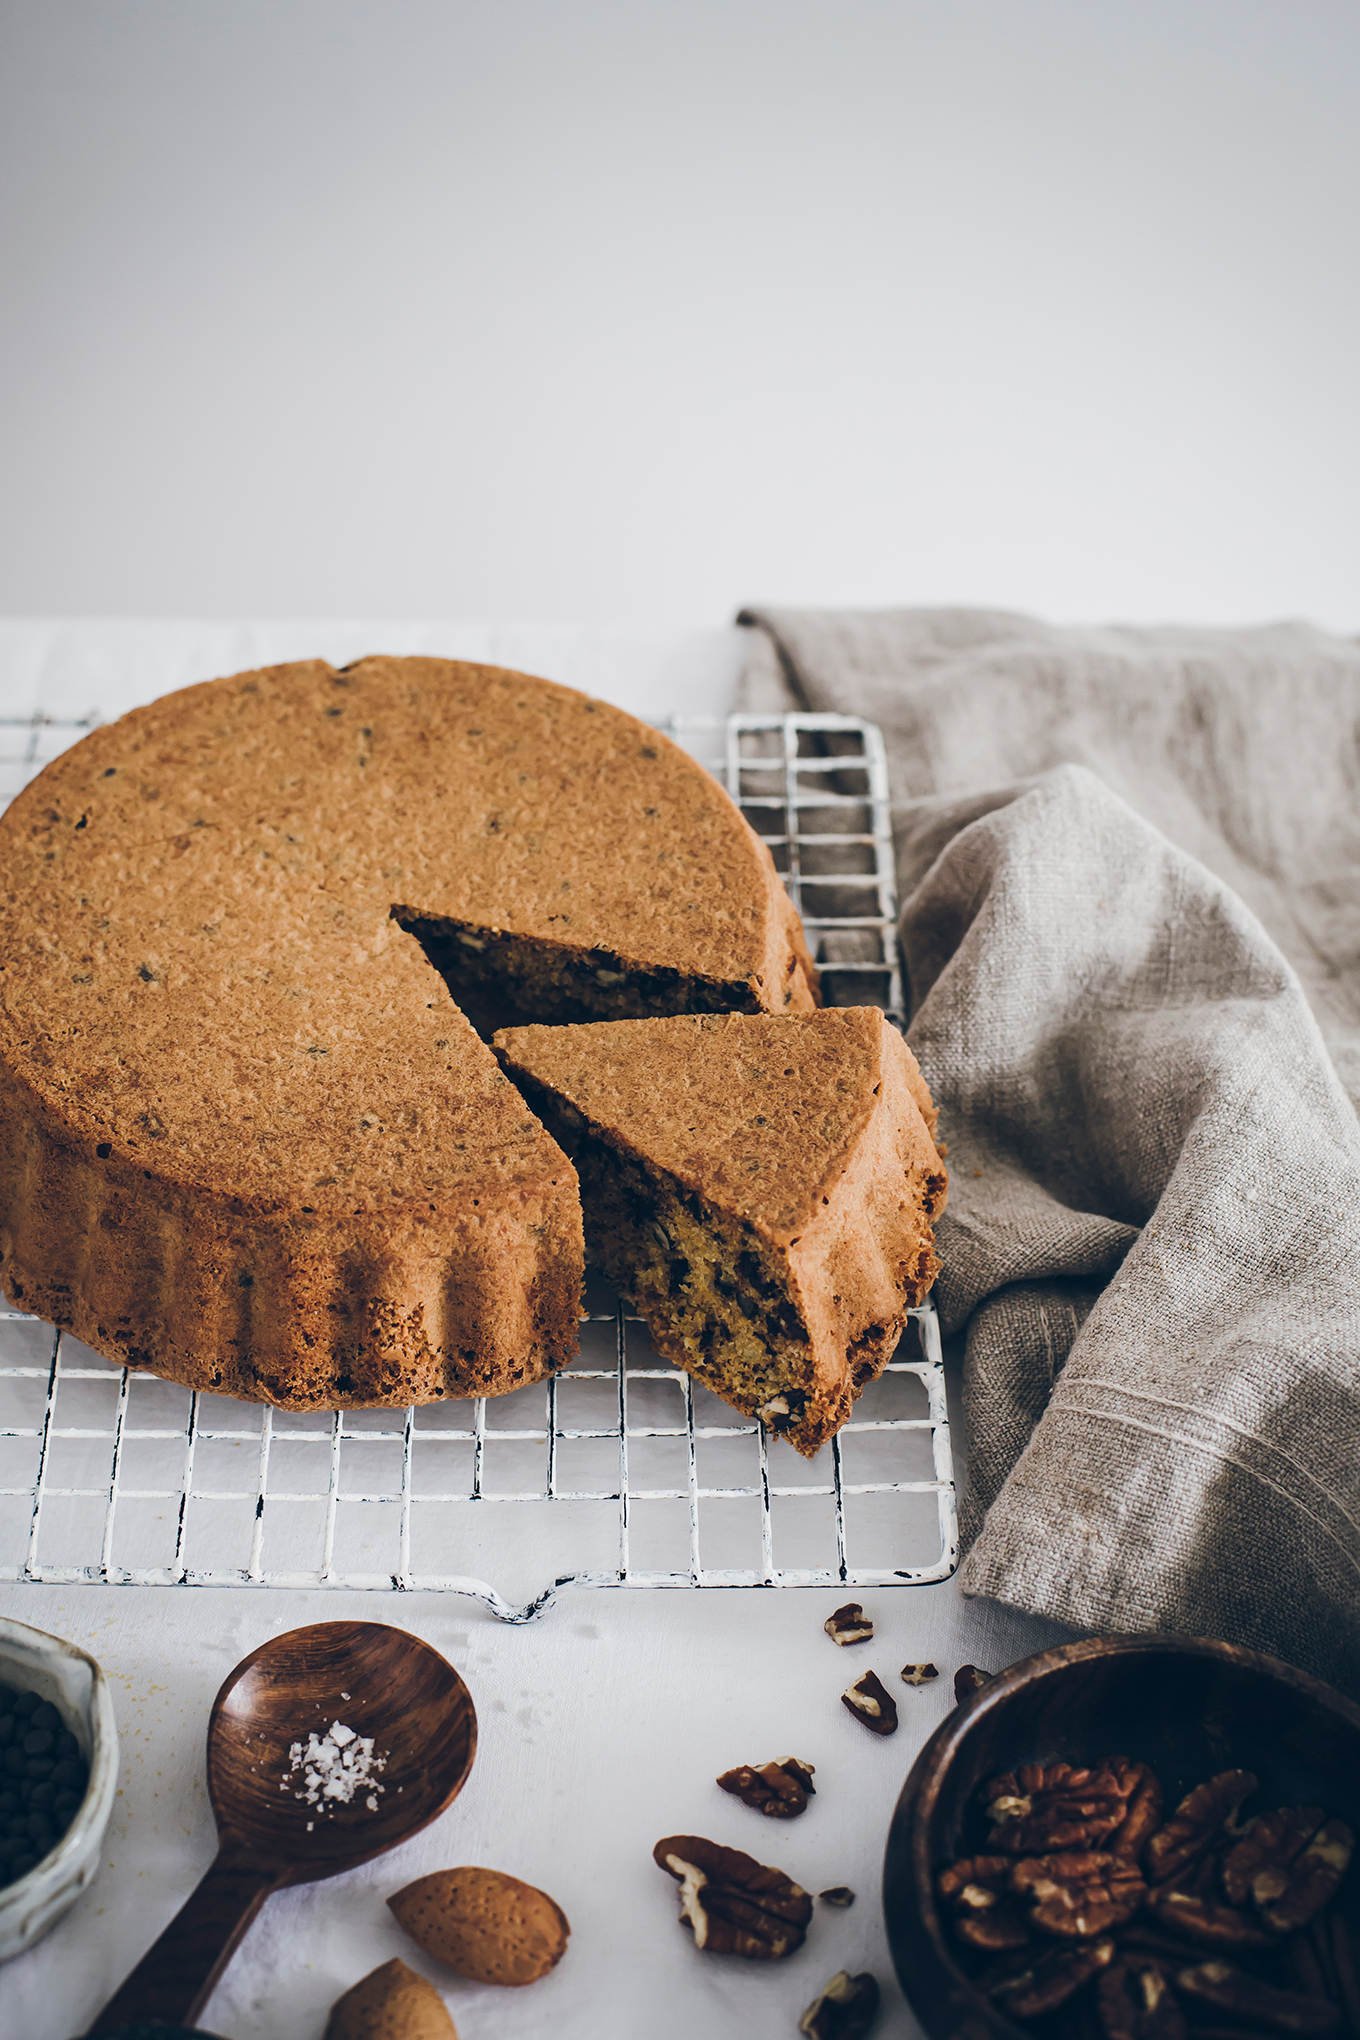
<point x="73" y="1682"/>
<point x="1188" y="1706"/>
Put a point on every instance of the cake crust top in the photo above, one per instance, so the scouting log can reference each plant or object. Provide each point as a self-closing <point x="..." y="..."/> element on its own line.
<point x="760" y="1112"/>
<point x="200" y="969"/>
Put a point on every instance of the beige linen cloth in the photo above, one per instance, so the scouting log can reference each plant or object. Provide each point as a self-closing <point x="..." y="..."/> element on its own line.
<point x="1130" y="866"/>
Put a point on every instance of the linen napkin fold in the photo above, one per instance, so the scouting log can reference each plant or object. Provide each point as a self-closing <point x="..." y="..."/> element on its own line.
<point x="1153" y="1235"/>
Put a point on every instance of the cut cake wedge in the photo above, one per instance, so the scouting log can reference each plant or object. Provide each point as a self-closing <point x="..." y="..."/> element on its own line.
<point x="761" y="1188"/>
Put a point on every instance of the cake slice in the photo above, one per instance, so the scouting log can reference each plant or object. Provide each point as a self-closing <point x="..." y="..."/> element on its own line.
<point x="761" y="1188"/>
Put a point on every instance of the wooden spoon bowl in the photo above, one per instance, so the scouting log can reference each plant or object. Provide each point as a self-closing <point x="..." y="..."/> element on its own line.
<point x="381" y="1682"/>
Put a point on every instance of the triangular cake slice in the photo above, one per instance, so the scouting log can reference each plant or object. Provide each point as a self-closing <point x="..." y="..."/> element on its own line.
<point x="762" y="1188"/>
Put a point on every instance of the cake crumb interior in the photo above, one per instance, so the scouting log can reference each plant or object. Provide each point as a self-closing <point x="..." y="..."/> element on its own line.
<point x="716" y="1295"/>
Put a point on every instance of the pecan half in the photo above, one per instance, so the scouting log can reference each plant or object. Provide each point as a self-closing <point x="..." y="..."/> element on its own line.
<point x="977" y="1895"/>
<point x="1144" y="1803"/>
<point x="734" y="1905"/>
<point x="1196" y="1824"/>
<point x="840" y="1895"/>
<point x="870" y="1702"/>
<point x="1200" y="1917"/>
<point x="845" y="2010"/>
<point x="1136" y="2002"/>
<point x="1225" y="1989"/>
<point x="780" y="1789"/>
<point x="1142" y="1939"/>
<point x="1078" y="1897"/>
<point x="1056" y="1806"/>
<point x="849" y="1624"/>
<point x="970" y="1679"/>
<point x="919" y="1675"/>
<point x="1289" y="1896"/>
<point x="1028" y="1986"/>
<point x="1268" y="1847"/>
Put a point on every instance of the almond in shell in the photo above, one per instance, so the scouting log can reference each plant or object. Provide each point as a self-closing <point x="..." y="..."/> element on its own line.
<point x="391" y="2003"/>
<point x="484" y="1924"/>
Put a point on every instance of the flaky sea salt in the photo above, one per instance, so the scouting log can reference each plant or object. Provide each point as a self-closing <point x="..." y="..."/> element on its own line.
<point x="335" y="1766"/>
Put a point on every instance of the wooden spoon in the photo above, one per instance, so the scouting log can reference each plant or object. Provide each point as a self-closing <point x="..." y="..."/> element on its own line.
<point x="380" y="1682"/>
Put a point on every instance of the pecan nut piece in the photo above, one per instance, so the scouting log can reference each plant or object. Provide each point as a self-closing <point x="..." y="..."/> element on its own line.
<point x="1028" y="1986"/>
<point x="1144" y="1803"/>
<point x="845" y="2010"/>
<point x="734" y="1905"/>
<point x="1344" y="1966"/>
<point x="1200" y="1917"/>
<point x="1289" y="1896"/>
<point x="984" y="1913"/>
<point x="1136" y="2002"/>
<point x="840" y="1895"/>
<point x="919" y="1675"/>
<point x="970" y="1679"/>
<point x="1244" y="1997"/>
<point x="849" y="1624"/>
<point x="1270" y="1844"/>
<point x="780" y="1789"/>
<point x="1196" y="1825"/>
<point x="1042" y="1807"/>
<point x="1078" y="1897"/>
<point x="870" y="1702"/>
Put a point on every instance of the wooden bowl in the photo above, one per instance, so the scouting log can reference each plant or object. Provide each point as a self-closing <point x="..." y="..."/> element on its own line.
<point x="1188" y="1706"/>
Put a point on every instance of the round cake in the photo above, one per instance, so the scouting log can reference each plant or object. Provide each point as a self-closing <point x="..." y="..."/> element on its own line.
<point x="248" y="1137"/>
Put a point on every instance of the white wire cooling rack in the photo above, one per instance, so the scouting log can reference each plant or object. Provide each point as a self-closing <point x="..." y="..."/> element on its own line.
<point x="620" y="1471"/>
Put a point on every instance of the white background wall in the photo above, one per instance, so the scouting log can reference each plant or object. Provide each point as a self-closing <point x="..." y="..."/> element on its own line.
<point x="634" y="310"/>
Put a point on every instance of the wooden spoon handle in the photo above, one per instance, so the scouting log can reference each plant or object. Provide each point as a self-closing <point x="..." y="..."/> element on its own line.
<point x="176" y="1976"/>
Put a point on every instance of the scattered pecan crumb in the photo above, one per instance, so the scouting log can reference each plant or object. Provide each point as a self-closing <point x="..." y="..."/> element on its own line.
<point x="968" y="1679"/>
<point x="780" y="1789"/>
<point x="870" y="1702"/>
<point x="849" y="1624"/>
<point x="838" y="1895"/>
<point x="919" y="1675"/>
<point x="845" y="2010"/>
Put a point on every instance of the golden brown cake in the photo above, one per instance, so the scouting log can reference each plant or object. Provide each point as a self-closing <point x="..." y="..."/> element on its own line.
<point x="246" y="1137"/>
<point x="762" y="1189"/>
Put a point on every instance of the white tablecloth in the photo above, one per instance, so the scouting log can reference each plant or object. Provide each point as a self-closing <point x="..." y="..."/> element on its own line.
<point x="602" y="1726"/>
